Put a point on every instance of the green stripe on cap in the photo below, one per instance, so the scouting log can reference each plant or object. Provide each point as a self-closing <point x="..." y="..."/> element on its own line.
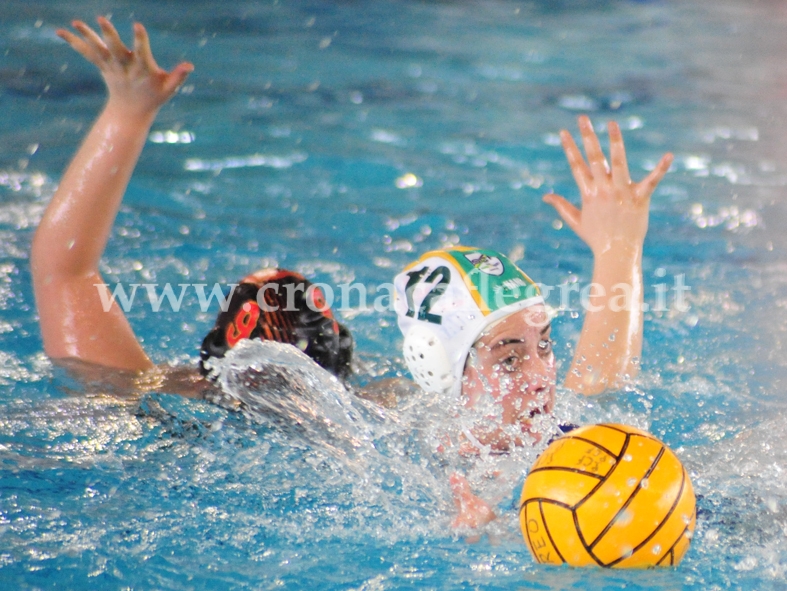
<point x="493" y="280"/>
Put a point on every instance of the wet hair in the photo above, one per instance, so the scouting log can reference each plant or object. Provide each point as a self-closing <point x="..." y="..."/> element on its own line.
<point x="283" y="306"/>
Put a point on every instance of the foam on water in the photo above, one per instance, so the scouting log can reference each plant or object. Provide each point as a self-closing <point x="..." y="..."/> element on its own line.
<point x="400" y="454"/>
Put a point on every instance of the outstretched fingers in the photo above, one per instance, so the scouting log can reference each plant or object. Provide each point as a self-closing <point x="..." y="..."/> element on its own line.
<point x="77" y="44"/>
<point x="131" y="75"/>
<point x="570" y="213"/>
<point x="176" y="77"/>
<point x="119" y="51"/>
<point x="89" y="45"/>
<point x="617" y="153"/>
<point x="579" y="169"/>
<point x="647" y="185"/>
<point x="142" y="48"/>
<point x="172" y="79"/>
<point x="596" y="160"/>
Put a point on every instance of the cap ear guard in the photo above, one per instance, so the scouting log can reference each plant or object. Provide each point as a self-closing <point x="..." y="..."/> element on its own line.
<point x="428" y="360"/>
<point x="445" y="300"/>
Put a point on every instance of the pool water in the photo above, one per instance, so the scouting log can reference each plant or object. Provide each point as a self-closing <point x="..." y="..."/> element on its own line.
<point x="342" y="140"/>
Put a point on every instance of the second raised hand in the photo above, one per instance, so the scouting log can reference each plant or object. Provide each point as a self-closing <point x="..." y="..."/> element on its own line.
<point x="134" y="79"/>
<point x="614" y="210"/>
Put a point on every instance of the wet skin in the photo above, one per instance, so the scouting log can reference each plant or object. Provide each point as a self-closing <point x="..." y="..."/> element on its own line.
<point x="512" y="362"/>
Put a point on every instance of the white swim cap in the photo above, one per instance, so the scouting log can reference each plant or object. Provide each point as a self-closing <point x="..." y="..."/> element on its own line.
<point x="445" y="300"/>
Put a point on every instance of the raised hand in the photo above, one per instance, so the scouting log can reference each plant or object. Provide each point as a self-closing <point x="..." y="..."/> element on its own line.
<point x="136" y="83"/>
<point x="613" y="222"/>
<point x="614" y="210"/>
<point x="76" y="225"/>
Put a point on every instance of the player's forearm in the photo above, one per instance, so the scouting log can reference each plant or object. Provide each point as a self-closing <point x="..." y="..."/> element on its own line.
<point x="77" y="223"/>
<point x="610" y="345"/>
<point x="472" y="511"/>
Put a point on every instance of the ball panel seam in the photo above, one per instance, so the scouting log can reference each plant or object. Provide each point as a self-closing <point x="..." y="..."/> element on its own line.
<point x="583" y="542"/>
<point x="598" y="445"/>
<point x="629" y="500"/>
<point x="662" y="523"/>
<point x="549" y="534"/>
<point x="671" y="551"/>
<point x="566" y="469"/>
<point x="545" y="500"/>
<point x="605" y="478"/>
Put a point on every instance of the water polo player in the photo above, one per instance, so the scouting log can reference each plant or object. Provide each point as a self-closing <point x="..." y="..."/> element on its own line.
<point x="76" y="225"/>
<point x="283" y="306"/>
<point x="476" y="326"/>
<point x="463" y="310"/>
<point x="505" y="355"/>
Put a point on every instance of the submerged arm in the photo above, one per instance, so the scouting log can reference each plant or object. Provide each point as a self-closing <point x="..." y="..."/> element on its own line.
<point x="472" y="511"/>
<point x="76" y="225"/>
<point x="613" y="222"/>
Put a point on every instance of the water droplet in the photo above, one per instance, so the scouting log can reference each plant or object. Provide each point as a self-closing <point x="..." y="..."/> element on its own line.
<point x="627" y="551"/>
<point x="624" y="518"/>
<point x="408" y="181"/>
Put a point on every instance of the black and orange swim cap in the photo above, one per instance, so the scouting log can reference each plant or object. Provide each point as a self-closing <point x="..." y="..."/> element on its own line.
<point x="283" y="306"/>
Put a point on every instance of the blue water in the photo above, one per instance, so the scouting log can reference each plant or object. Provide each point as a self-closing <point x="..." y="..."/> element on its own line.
<point x="291" y="135"/>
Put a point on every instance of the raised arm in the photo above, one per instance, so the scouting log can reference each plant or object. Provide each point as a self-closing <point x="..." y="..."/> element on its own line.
<point x="76" y="225"/>
<point x="613" y="222"/>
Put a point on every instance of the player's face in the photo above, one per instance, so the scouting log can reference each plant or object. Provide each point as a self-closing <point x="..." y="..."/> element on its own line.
<point x="513" y="362"/>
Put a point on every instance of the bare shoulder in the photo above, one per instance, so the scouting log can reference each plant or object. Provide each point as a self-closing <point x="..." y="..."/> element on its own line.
<point x="390" y="392"/>
<point x="133" y="384"/>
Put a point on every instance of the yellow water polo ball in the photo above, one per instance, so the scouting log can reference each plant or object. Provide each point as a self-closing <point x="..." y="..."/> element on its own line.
<point x="607" y="495"/>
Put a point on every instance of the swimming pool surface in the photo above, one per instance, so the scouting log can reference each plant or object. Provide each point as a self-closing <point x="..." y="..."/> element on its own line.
<point x="291" y="144"/>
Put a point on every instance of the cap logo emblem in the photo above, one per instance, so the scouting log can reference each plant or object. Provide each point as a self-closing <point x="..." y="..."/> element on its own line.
<point x="486" y="264"/>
